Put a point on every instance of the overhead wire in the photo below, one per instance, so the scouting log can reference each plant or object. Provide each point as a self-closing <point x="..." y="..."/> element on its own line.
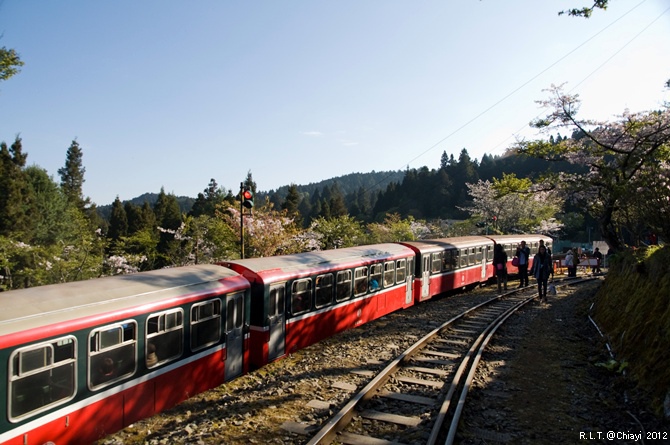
<point x="535" y="77"/>
<point x="601" y="65"/>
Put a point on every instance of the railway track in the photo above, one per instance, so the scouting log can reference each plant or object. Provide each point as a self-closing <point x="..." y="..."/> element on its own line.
<point x="419" y="395"/>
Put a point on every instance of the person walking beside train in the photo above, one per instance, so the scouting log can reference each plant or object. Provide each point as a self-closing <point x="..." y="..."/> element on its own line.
<point x="599" y="259"/>
<point x="500" y="266"/>
<point x="541" y="271"/>
<point x="551" y="259"/>
<point x="570" y="264"/>
<point x="523" y="254"/>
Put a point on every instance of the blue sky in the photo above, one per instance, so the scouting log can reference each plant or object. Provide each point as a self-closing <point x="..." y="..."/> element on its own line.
<point x="173" y="93"/>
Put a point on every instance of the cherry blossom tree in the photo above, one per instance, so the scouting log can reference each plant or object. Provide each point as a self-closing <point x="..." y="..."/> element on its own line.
<point x="626" y="185"/>
<point x="267" y="232"/>
<point x="515" y="205"/>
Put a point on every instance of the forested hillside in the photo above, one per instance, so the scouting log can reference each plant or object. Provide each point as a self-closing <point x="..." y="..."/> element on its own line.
<point x="607" y="181"/>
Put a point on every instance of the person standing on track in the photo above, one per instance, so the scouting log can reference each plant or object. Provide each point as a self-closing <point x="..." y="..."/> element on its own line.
<point x="500" y="266"/>
<point x="523" y="253"/>
<point x="541" y="271"/>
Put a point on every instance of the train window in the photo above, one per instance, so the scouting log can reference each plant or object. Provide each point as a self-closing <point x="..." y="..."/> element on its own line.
<point x="511" y="250"/>
<point x="42" y="376"/>
<point x="324" y="290"/>
<point x="450" y="260"/>
<point x="463" y="257"/>
<point x="165" y="337"/>
<point x="400" y="271"/>
<point x="301" y="296"/>
<point x="112" y="353"/>
<point x="471" y="256"/>
<point x="436" y="262"/>
<point x="376" y="276"/>
<point x="478" y="254"/>
<point x="360" y="281"/>
<point x="205" y="324"/>
<point x="343" y="285"/>
<point x="276" y="301"/>
<point x="389" y="273"/>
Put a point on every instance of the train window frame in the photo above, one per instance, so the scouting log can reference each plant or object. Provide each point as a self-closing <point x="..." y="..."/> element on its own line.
<point x="360" y="281"/>
<point x="165" y="328"/>
<point x="388" y="275"/>
<point x="118" y="360"/>
<point x="450" y="260"/>
<point x="280" y="309"/>
<point x="436" y="262"/>
<point x="343" y="284"/>
<point x="297" y="296"/>
<point x="18" y="376"/>
<point x="472" y="256"/>
<point x="200" y="321"/>
<point x="462" y="258"/>
<point x="376" y="272"/>
<point x="324" y="289"/>
<point x="400" y="270"/>
<point x="234" y="311"/>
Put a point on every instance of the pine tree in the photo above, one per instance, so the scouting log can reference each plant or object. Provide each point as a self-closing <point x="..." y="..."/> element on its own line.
<point x="118" y="221"/>
<point x="336" y="203"/>
<point x="292" y="203"/>
<point x="72" y="176"/>
<point x="14" y="191"/>
<point x="169" y="219"/>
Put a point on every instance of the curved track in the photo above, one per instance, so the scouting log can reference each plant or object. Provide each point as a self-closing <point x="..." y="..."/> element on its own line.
<point x="418" y="397"/>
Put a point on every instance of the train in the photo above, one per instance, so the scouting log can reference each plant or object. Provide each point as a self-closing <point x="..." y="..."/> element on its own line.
<point x="86" y="359"/>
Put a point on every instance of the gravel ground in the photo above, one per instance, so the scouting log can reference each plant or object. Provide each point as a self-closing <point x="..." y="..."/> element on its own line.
<point x="538" y="384"/>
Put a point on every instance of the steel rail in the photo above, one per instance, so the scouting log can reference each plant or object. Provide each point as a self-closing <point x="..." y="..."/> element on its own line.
<point x="453" y="427"/>
<point x="329" y="431"/>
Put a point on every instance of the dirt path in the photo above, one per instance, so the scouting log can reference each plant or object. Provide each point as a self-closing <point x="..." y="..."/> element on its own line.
<point x="547" y="384"/>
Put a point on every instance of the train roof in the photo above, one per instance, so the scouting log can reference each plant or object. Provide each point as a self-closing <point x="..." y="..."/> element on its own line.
<point x="302" y="264"/>
<point x="520" y="237"/>
<point x="56" y="303"/>
<point x="448" y="243"/>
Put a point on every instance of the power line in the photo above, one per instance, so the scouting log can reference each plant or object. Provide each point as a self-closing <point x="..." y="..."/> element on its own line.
<point x="529" y="81"/>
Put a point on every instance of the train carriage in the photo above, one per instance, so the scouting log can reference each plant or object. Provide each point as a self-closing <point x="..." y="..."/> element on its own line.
<point x="510" y="243"/>
<point x="446" y="264"/>
<point x="85" y="359"/>
<point x="300" y="299"/>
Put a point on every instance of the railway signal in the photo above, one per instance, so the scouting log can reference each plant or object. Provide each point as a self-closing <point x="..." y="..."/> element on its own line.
<point x="247" y="198"/>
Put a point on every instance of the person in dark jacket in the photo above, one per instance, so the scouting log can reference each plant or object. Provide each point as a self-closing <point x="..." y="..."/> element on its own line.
<point x="541" y="271"/>
<point x="500" y="266"/>
<point x="599" y="259"/>
<point x="523" y="253"/>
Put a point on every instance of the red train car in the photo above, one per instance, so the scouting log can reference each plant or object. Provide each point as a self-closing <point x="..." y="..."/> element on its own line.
<point x="85" y="359"/>
<point x="300" y="299"/>
<point x="446" y="264"/>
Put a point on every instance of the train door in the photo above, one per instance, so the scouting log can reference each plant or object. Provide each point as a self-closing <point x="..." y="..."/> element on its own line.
<point x="276" y="321"/>
<point x="482" y="252"/>
<point x="234" y="335"/>
<point x="425" y="277"/>
<point x="410" y="280"/>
